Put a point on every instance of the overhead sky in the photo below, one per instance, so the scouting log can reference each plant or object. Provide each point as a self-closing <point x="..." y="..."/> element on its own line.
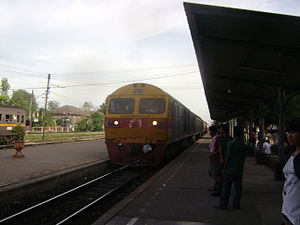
<point x="92" y="47"/>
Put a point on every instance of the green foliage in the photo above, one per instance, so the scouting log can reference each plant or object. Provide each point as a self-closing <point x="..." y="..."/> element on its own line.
<point x="4" y="99"/>
<point x="102" y="108"/>
<point x="83" y="125"/>
<point x="53" y="105"/>
<point x="19" y="133"/>
<point x="92" y="123"/>
<point x="97" y="119"/>
<point x="88" y="107"/>
<point x="22" y="98"/>
<point x="48" y="118"/>
<point x="4" y="87"/>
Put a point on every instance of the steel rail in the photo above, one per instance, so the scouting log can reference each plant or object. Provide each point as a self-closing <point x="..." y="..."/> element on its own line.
<point x="95" y="201"/>
<point x="62" y="194"/>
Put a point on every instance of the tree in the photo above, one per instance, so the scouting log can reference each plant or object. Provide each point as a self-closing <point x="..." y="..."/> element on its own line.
<point x="22" y="99"/>
<point x="53" y="105"/>
<point x="88" y="107"/>
<point x="48" y="117"/>
<point x="4" y="87"/>
<point x="97" y="119"/>
<point x="83" y="125"/>
<point x="92" y="123"/>
<point x="102" y="108"/>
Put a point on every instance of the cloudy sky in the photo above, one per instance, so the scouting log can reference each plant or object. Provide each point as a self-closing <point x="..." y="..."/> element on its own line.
<point x="92" y="47"/>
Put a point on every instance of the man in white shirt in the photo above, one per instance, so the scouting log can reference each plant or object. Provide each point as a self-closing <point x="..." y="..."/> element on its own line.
<point x="267" y="147"/>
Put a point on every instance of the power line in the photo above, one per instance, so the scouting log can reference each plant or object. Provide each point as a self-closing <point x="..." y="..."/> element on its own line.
<point x="132" y="80"/>
<point x="20" y="70"/>
<point x="125" y="70"/>
<point x="118" y="81"/>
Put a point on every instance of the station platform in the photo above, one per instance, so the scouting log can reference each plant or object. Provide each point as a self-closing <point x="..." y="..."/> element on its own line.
<point x="178" y="195"/>
<point x="48" y="160"/>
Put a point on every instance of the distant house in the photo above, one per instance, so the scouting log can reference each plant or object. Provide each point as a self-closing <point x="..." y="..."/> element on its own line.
<point x="69" y="115"/>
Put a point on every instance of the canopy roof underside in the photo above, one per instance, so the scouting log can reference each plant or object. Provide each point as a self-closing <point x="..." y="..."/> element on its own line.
<point x="244" y="56"/>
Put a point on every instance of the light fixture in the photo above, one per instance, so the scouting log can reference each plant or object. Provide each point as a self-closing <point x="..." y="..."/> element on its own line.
<point x="116" y="122"/>
<point x="154" y="123"/>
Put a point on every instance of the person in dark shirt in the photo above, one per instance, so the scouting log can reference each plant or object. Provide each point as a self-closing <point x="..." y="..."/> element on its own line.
<point x="233" y="170"/>
<point x="213" y="155"/>
<point x="222" y="140"/>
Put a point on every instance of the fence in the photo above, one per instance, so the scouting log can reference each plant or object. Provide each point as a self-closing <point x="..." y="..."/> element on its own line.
<point x="62" y="137"/>
<point x="55" y="129"/>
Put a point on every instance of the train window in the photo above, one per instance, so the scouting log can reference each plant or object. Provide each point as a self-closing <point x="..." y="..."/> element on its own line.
<point x="8" y="118"/>
<point x="152" y="105"/>
<point x="18" y="118"/>
<point x="0" y="117"/>
<point x="121" y="106"/>
<point x="22" y="121"/>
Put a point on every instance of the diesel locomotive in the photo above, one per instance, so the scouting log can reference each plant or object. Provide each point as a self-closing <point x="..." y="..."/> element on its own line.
<point x="145" y="125"/>
<point x="10" y="116"/>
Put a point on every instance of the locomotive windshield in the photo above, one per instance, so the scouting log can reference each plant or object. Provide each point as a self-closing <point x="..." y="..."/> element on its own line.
<point x="152" y="105"/>
<point x="121" y="106"/>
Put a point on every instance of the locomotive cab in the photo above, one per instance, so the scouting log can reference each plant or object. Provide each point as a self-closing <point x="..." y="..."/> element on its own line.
<point x="136" y="125"/>
<point x="144" y="125"/>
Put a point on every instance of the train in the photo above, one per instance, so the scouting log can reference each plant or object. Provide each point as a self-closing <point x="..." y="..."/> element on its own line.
<point x="145" y="126"/>
<point x="10" y="116"/>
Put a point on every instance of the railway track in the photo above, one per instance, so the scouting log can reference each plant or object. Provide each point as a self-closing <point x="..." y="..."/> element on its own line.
<point x="77" y="204"/>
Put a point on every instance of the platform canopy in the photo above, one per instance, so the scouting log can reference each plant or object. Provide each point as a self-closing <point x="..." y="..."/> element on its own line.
<point x="244" y="56"/>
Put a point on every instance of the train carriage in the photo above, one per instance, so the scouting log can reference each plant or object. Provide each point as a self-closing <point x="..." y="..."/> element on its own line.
<point x="10" y="116"/>
<point x="144" y="125"/>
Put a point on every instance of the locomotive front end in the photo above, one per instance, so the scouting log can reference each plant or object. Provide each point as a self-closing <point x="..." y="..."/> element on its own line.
<point x="136" y="125"/>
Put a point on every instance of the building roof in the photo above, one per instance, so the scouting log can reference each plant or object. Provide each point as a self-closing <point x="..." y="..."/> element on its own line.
<point x="244" y="56"/>
<point x="69" y="110"/>
<point x="12" y="107"/>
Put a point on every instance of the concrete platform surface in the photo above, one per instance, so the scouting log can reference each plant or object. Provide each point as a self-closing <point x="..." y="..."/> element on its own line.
<point x="42" y="160"/>
<point x="179" y="195"/>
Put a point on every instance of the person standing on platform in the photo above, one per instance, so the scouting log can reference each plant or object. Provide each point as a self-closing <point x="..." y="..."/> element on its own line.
<point x="233" y="170"/>
<point x="291" y="189"/>
<point x="213" y="154"/>
<point x="223" y="140"/>
<point x="253" y="140"/>
<point x="267" y="147"/>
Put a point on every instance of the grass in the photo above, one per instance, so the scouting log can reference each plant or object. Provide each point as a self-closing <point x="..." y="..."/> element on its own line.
<point x="58" y="137"/>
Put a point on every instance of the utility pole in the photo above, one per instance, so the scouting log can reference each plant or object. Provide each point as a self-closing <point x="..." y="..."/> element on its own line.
<point x="30" y="110"/>
<point x="45" y="108"/>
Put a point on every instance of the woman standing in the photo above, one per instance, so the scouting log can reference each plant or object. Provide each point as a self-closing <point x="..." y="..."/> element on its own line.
<point x="291" y="190"/>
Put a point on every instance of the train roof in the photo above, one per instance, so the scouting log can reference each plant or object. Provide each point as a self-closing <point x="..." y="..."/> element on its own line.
<point x="139" y="88"/>
<point x="146" y="89"/>
<point x="11" y="107"/>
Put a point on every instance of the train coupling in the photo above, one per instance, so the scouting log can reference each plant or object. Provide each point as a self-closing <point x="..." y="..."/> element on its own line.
<point x="147" y="148"/>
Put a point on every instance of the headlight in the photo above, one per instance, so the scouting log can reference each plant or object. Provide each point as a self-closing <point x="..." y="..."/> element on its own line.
<point x="154" y="123"/>
<point x="116" y="122"/>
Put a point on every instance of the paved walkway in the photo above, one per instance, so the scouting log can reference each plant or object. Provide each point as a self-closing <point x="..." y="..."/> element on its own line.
<point x="41" y="160"/>
<point x="179" y="195"/>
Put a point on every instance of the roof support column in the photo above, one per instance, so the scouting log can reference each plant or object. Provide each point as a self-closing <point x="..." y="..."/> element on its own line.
<point x="261" y="124"/>
<point x="281" y="104"/>
<point x="250" y="127"/>
<point x="258" y="152"/>
<point x="281" y="118"/>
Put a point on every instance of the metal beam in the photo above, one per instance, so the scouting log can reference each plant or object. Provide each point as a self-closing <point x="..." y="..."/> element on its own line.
<point x="250" y="43"/>
<point x="236" y="77"/>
